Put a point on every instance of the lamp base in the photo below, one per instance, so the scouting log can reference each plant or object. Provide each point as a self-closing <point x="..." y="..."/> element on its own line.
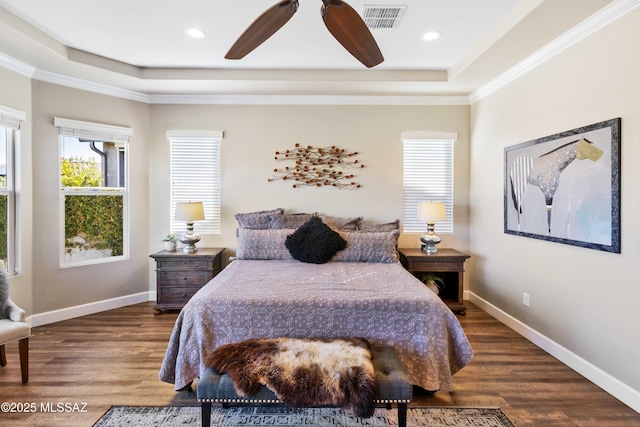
<point x="429" y="249"/>
<point x="189" y="247"/>
<point x="430" y="240"/>
<point x="189" y="240"/>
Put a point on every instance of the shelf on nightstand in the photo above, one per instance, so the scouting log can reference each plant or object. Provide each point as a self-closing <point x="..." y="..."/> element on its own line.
<point x="447" y="263"/>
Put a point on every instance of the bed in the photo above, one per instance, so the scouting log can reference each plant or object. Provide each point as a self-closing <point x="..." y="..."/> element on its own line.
<point x="362" y="291"/>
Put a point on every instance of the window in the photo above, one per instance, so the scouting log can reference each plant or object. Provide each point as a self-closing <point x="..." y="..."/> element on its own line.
<point x="10" y="120"/>
<point x="93" y="192"/>
<point x="195" y="176"/>
<point x="428" y="176"/>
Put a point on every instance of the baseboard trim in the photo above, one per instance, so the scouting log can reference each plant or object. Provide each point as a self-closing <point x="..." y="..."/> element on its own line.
<point x="608" y="383"/>
<point x="45" y="318"/>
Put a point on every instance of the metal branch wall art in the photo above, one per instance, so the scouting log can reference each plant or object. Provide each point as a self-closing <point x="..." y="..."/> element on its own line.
<point x="317" y="167"/>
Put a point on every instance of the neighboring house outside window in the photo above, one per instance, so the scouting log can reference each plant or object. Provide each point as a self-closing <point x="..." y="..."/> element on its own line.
<point x="428" y="176"/>
<point x="195" y="177"/>
<point x="10" y="120"/>
<point x="93" y="192"/>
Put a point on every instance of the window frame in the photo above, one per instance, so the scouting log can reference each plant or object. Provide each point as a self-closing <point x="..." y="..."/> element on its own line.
<point x="10" y="122"/>
<point x="211" y="201"/>
<point x="98" y="132"/>
<point x="428" y="188"/>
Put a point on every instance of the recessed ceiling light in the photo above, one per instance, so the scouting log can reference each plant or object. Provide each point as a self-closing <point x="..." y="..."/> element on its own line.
<point x="195" y="33"/>
<point x="432" y="35"/>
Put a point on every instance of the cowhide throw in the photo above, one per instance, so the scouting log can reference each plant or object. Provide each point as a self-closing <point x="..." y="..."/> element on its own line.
<point x="302" y="372"/>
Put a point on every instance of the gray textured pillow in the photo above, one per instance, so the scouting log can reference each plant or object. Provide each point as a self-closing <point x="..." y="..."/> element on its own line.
<point x="289" y="220"/>
<point x="263" y="243"/>
<point x="376" y="226"/>
<point x="363" y="246"/>
<point x="257" y="220"/>
<point x="341" y="223"/>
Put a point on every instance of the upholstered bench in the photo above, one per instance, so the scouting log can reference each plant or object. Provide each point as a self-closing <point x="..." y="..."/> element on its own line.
<point x="392" y="387"/>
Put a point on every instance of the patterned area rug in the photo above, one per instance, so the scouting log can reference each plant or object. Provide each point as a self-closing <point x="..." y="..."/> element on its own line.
<point x="141" y="416"/>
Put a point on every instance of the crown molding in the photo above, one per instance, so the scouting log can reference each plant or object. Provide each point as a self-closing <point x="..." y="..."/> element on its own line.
<point x="90" y="86"/>
<point x="17" y="66"/>
<point x="76" y="83"/>
<point x="307" y="100"/>
<point x="601" y="19"/>
<point x="292" y="75"/>
<point x="604" y="17"/>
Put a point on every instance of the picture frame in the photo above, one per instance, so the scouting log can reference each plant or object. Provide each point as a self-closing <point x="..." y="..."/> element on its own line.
<point x="565" y="188"/>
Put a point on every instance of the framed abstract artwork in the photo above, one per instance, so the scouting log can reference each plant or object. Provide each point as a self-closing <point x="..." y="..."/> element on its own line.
<point x="565" y="188"/>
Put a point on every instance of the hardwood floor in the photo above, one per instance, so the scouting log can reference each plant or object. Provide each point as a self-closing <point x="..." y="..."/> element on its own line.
<point x="113" y="358"/>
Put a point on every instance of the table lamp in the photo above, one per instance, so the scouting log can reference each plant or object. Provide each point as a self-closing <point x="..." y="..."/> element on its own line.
<point x="431" y="212"/>
<point x="189" y="212"/>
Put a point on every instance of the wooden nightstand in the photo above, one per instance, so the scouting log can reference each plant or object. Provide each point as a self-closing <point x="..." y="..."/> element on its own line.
<point x="180" y="275"/>
<point x="447" y="264"/>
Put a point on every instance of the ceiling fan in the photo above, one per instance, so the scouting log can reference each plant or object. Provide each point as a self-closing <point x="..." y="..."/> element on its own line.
<point x="342" y="21"/>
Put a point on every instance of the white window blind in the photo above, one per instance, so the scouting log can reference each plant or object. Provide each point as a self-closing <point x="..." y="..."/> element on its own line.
<point x="94" y="131"/>
<point x="195" y="177"/>
<point x="428" y="176"/>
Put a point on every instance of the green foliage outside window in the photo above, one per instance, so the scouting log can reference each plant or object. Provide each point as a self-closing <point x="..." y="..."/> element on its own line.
<point x="97" y="220"/>
<point x="3" y="227"/>
<point x="91" y="222"/>
<point x="76" y="172"/>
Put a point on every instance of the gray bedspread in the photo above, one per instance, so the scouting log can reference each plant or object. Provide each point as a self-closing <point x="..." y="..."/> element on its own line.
<point x="380" y="302"/>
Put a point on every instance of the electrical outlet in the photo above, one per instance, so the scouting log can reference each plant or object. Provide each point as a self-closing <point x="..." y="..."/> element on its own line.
<point x="525" y="299"/>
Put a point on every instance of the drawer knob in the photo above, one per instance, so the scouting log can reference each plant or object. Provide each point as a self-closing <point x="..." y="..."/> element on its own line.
<point x="184" y="278"/>
<point x="184" y="295"/>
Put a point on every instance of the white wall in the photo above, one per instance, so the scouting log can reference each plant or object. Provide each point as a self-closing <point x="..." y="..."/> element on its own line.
<point x="254" y="133"/>
<point x="56" y="288"/>
<point x="584" y="300"/>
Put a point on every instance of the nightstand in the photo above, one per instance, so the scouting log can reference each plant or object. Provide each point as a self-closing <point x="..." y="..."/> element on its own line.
<point x="179" y="275"/>
<point x="448" y="264"/>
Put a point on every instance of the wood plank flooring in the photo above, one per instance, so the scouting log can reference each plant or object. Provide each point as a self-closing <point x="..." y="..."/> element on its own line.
<point x="113" y="358"/>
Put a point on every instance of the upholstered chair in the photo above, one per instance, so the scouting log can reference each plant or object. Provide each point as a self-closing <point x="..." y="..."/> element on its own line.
<point x="13" y="327"/>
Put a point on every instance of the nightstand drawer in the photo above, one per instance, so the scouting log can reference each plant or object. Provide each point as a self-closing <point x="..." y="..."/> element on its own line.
<point x="179" y="275"/>
<point x="184" y="264"/>
<point x="417" y="265"/>
<point x="178" y="295"/>
<point x="185" y="277"/>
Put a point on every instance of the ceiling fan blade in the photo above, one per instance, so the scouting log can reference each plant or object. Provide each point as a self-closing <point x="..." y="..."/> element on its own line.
<point x="262" y="28"/>
<point x="346" y="25"/>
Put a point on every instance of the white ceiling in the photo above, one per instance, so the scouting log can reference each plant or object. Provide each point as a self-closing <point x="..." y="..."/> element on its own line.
<point x="140" y="45"/>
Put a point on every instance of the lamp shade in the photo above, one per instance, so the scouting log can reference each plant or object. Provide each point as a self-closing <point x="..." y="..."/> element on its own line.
<point x="189" y="211"/>
<point x="432" y="212"/>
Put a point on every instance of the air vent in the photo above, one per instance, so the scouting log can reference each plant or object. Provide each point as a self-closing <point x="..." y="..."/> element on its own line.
<point x="382" y="16"/>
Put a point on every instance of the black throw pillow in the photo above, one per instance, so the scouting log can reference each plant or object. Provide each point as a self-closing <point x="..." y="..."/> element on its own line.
<point x="314" y="242"/>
